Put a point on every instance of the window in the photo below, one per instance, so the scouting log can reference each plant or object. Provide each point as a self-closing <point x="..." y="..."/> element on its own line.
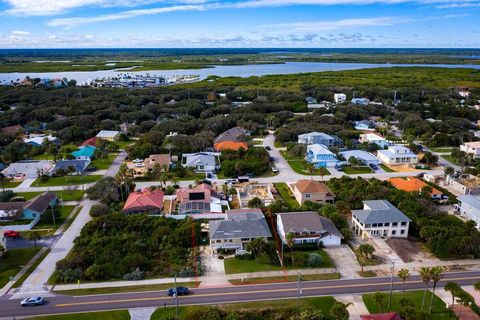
<point x="219" y="241"/>
<point x="394" y="232"/>
<point x="402" y="231"/>
<point x="245" y="239"/>
<point x="307" y="195"/>
<point x="404" y="223"/>
<point x="394" y="224"/>
<point x="386" y="224"/>
<point x="230" y="240"/>
<point x="374" y="225"/>
<point x="380" y="224"/>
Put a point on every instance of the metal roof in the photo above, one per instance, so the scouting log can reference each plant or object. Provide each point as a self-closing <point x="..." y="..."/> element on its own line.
<point x="379" y="211"/>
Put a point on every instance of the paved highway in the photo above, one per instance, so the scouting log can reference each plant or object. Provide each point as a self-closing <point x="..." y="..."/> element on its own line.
<point x="274" y="291"/>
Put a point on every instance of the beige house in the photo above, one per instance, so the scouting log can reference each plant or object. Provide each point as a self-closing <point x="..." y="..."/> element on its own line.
<point x="311" y="190"/>
<point x="141" y="168"/>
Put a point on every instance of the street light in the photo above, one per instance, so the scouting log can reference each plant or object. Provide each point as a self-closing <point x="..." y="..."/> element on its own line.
<point x="391" y="285"/>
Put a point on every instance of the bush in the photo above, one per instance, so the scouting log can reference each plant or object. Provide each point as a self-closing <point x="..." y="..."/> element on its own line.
<point x="6" y="195"/>
<point x="69" y="275"/>
<point x="134" y="275"/>
<point x="314" y="260"/>
<point x="99" y="210"/>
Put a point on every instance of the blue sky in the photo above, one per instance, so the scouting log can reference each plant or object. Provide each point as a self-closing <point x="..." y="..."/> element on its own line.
<point x="239" y="23"/>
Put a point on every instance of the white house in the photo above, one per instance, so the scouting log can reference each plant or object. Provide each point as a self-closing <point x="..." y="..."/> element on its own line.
<point x="364" y="125"/>
<point x="320" y="138"/>
<point x="109" y="135"/>
<point x="472" y="148"/>
<point x="379" y="218"/>
<point x="397" y="155"/>
<point x="200" y="162"/>
<point x="365" y="157"/>
<point x="28" y="169"/>
<point x="469" y="206"/>
<point x="340" y="97"/>
<point x="373" y="138"/>
<point x="308" y="227"/>
<point x="38" y="140"/>
<point x="320" y="156"/>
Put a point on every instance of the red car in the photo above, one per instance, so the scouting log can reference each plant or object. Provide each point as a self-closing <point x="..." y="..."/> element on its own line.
<point x="11" y="234"/>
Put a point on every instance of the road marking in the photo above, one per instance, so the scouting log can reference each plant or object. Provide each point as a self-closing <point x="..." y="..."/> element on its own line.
<point x="255" y="291"/>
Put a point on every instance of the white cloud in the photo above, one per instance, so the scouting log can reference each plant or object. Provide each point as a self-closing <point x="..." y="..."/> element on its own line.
<point x="458" y="5"/>
<point x="20" y="32"/>
<point x="74" y="22"/>
<point x="335" y="24"/>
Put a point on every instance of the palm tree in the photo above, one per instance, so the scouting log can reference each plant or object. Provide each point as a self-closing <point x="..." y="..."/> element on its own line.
<point x="290" y="243"/>
<point x="453" y="288"/>
<point x="464" y="299"/>
<point x="436" y="276"/>
<point x="34" y="235"/>
<point x="339" y="311"/>
<point x="403" y="274"/>
<point x="379" y="299"/>
<point x="426" y="277"/>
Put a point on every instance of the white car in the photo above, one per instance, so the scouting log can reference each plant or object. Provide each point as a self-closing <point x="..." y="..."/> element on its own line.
<point x="137" y="161"/>
<point x="274" y="169"/>
<point x="32" y="301"/>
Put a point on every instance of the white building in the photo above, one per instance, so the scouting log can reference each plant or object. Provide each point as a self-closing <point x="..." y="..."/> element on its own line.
<point x="472" y="148"/>
<point x="397" y="155"/>
<point x="38" y="140"/>
<point x="469" y="207"/>
<point x="379" y="218"/>
<point x="320" y="156"/>
<point x="340" y="97"/>
<point x="200" y="162"/>
<point x="308" y="227"/>
<point x="108" y="135"/>
<point x="28" y="169"/>
<point x="320" y="138"/>
<point x="365" y="157"/>
<point x="374" y="138"/>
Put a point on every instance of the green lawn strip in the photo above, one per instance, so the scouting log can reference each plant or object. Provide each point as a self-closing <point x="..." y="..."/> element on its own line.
<point x="42" y="233"/>
<point x="286" y="194"/>
<point x="66" y="181"/>
<point x="46" y="219"/>
<point x="103" y="164"/>
<point x="15" y="222"/>
<point x="387" y="169"/>
<point x="12" y="261"/>
<point x="303" y="277"/>
<point x="28" y="195"/>
<point x="367" y="274"/>
<point x="123" y="144"/>
<point x="442" y="149"/>
<point x="69" y="222"/>
<point x="11" y="184"/>
<point x="66" y="195"/>
<point x="320" y="303"/>
<point x="150" y="287"/>
<point x="356" y="170"/>
<point x="450" y="159"/>
<point x="235" y="265"/>
<point x="439" y="310"/>
<point x="20" y="280"/>
<point x="104" y="315"/>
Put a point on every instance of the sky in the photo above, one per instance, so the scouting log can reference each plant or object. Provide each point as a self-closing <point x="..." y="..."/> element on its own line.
<point x="239" y="23"/>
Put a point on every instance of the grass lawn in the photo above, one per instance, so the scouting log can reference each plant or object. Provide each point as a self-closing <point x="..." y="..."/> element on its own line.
<point x="235" y="265"/>
<point x="46" y="221"/>
<point x="451" y="160"/>
<point x="103" y="164"/>
<point x="443" y="149"/>
<point x="123" y="144"/>
<point x="66" y="181"/>
<point x="11" y="184"/>
<point x="321" y="303"/>
<point x="15" y="222"/>
<point x="439" y="310"/>
<point x="104" y="315"/>
<point x="20" y="280"/>
<point x="12" y="261"/>
<point x="152" y="287"/>
<point x="356" y="170"/>
<point x="387" y="169"/>
<point x="286" y="194"/>
<point x="367" y="274"/>
<point x="303" y="277"/>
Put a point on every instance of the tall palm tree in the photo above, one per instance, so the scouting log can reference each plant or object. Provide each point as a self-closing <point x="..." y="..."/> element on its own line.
<point x="436" y="276"/>
<point x="453" y="288"/>
<point x="403" y="274"/>
<point x="426" y="277"/>
<point x="379" y="299"/>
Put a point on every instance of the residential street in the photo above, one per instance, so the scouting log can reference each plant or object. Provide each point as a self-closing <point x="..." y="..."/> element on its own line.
<point x="65" y="304"/>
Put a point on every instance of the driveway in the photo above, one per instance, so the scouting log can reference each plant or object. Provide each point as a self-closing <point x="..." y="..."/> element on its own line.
<point x="113" y="169"/>
<point x="214" y="275"/>
<point x="383" y="250"/>
<point x="345" y="261"/>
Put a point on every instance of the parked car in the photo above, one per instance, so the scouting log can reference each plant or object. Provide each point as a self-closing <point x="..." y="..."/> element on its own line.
<point x="209" y="175"/>
<point x="274" y="169"/>
<point x="137" y="160"/>
<point x="421" y="174"/>
<point x="32" y="301"/>
<point x="231" y="181"/>
<point x="373" y="166"/>
<point x="92" y="168"/>
<point x="243" y="179"/>
<point x="268" y="148"/>
<point x="206" y="181"/>
<point x="182" y="291"/>
<point x="11" y="234"/>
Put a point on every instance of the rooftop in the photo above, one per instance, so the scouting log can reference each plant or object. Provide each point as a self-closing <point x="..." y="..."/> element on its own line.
<point x="371" y="136"/>
<point x="244" y="214"/>
<point x="411" y="184"/>
<point x="319" y="148"/>
<point x="470" y="200"/>
<point x="315" y="134"/>
<point x="474" y="144"/>
<point x="41" y="202"/>
<point x="379" y="211"/>
<point x="359" y="154"/>
<point x="312" y="186"/>
<point x="298" y="222"/>
<point x="144" y="199"/>
<point x="107" y="134"/>
<point x="222" y="229"/>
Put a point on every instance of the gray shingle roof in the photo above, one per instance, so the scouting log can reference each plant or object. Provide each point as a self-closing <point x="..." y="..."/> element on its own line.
<point x="307" y="221"/>
<point x="226" y="229"/>
<point x="79" y="166"/>
<point x="381" y="211"/>
<point x="244" y="214"/>
<point x="232" y="134"/>
<point x="41" y="202"/>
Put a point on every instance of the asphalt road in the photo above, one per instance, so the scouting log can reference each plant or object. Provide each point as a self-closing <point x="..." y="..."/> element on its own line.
<point x="69" y="304"/>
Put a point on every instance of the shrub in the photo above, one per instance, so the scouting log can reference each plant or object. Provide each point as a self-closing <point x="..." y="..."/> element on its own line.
<point x="314" y="260"/>
<point x="6" y="195"/>
<point x="137" y="274"/>
<point x="99" y="210"/>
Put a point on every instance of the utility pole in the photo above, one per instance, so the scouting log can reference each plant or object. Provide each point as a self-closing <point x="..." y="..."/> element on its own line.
<point x="391" y="286"/>
<point x="176" y="297"/>
<point x="53" y="217"/>
<point x="298" y="288"/>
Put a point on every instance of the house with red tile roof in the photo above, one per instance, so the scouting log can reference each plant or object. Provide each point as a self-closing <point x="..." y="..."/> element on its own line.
<point x="89" y="142"/>
<point x="145" y="201"/>
<point x="412" y="184"/>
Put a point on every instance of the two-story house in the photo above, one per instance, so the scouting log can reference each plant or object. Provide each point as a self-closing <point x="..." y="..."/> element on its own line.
<point x="469" y="207"/>
<point x="308" y="227"/>
<point x="472" y="148"/>
<point x="380" y="218"/>
<point x="320" y="138"/>
<point x="397" y="155"/>
<point x="320" y="156"/>
<point x="311" y="190"/>
<point x="239" y="228"/>
<point x="373" y="138"/>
